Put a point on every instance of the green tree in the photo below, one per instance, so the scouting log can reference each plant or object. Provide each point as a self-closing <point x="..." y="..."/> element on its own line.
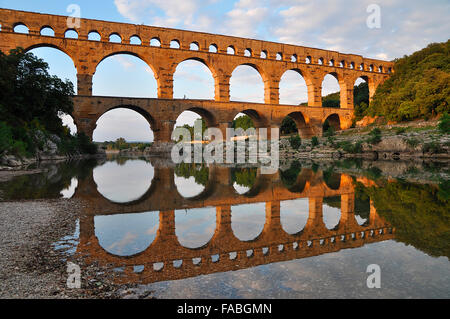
<point x="419" y="88"/>
<point x="244" y="122"/>
<point x="28" y="92"/>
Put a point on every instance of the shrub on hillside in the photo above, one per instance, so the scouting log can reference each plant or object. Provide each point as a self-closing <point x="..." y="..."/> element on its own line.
<point x="295" y="142"/>
<point x="444" y="124"/>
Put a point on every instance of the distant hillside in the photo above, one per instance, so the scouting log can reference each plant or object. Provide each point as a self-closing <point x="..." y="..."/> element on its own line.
<point x="419" y="88"/>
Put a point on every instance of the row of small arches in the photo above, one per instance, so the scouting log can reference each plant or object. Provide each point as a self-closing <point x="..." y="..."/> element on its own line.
<point x="213" y="48"/>
<point x="250" y="253"/>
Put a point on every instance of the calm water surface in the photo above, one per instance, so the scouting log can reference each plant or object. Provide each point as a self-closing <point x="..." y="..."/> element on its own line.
<point x="199" y="231"/>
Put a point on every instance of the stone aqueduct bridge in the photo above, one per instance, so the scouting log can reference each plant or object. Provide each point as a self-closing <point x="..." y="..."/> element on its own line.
<point x="224" y="251"/>
<point x="270" y="59"/>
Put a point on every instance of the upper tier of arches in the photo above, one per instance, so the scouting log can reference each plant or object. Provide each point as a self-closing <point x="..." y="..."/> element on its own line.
<point x="153" y="46"/>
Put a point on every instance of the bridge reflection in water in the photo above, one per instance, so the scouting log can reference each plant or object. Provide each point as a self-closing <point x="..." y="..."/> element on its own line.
<point x="167" y="259"/>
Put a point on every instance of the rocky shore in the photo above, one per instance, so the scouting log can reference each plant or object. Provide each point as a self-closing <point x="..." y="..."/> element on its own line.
<point x="48" y="152"/>
<point x="410" y="141"/>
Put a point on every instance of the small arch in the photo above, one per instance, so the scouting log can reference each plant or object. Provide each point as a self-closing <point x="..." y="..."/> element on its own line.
<point x="135" y="40"/>
<point x="331" y="62"/>
<point x="389" y="70"/>
<point x="294" y="58"/>
<point x="231" y="50"/>
<point x="320" y="61"/>
<point x="175" y="44"/>
<point x="248" y="52"/>
<point x="94" y="36"/>
<point x="279" y="56"/>
<point x="71" y="34"/>
<point x="342" y="64"/>
<point x="213" y="48"/>
<point x="352" y="65"/>
<point x="371" y="68"/>
<point x="380" y="69"/>
<point x="21" y="28"/>
<point x="115" y="38"/>
<point x="47" y="31"/>
<point x="263" y="54"/>
<point x="332" y="121"/>
<point x="361" y="67"/>
<point x="194" y="46"/>
<point x="155" y="42"/>
<point x="308" y="60"/>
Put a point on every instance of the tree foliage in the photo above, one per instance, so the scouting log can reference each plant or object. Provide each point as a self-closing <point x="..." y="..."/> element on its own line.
<point x="244" y="122"/>
<point x="419" y="213"/>
<point x="31" y="101"/>
<point x="28" y="92"/>
<point x="419" y="88"/>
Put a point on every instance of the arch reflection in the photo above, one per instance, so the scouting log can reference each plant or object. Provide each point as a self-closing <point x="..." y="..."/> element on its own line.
<point x="123" y="180"/>
<point x="126" y="234"/>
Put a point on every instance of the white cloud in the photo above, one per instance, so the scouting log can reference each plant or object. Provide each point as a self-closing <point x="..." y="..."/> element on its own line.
<point x="245" y="18"/>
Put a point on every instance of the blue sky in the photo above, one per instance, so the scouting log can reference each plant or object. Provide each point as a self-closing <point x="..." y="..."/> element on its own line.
<point x="406" y="26"/>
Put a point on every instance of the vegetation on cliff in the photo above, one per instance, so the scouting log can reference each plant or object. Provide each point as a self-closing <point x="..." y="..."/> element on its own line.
<point x="419" y="88"/>
<point x="31" y="102"/>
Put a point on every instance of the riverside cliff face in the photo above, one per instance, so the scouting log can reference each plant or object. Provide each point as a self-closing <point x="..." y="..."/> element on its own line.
<point x="407" y="141"/>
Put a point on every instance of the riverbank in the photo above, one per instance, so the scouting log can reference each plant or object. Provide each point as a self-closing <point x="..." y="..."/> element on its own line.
<point x="33" y="237"/>
<point x="23" y="164"/>
<point x="406" y="141"/>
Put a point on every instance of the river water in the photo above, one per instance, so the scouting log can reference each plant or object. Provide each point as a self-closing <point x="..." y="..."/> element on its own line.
<point x="208" y="231"/>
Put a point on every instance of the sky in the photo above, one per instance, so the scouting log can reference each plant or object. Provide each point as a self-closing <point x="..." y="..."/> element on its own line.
<point x="349" y="26"/>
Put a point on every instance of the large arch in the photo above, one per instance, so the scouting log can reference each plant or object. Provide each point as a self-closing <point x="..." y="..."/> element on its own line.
<point x="331" y="212"/>
<point x="62" y="65"/>
<point x="194" y="79"/>
<point x="361" y="96"/>
<point x="248" y="220"/>
<point x="124" y="181"/>
<point x="293" y="88"/>
<point x="126" y="234"/>
<point x="194" y="228"/>
<point x="134" y="76"/>
<point x="333" y="121"/>
<point x="331" y="91"/>
<point x="304" y="128"/>
<point x="191" y="180"/>
<point x="135" y="124"/>
<point x="294" y="215"/>
<point x="247" y="78"/>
